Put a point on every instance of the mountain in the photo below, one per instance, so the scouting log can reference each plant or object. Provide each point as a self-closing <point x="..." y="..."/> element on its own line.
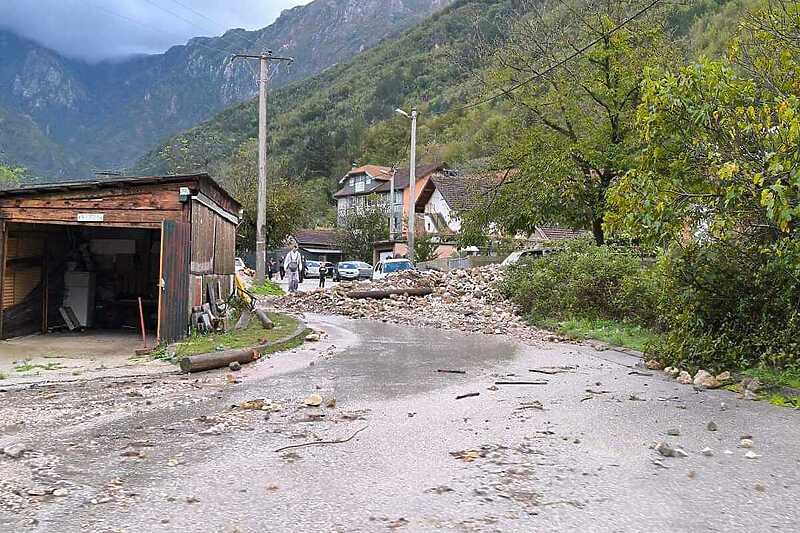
<point x="318" y="126"/>
<point x="108" y="114"/>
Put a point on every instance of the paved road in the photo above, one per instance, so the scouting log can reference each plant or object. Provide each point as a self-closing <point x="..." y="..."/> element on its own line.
<point x="573" y="454"/>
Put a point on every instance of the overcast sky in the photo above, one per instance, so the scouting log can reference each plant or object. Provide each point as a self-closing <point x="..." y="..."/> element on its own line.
<point x="102" y="29"/>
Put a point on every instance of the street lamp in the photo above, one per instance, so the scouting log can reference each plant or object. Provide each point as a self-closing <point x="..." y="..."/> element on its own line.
<point x="412" y="179"/>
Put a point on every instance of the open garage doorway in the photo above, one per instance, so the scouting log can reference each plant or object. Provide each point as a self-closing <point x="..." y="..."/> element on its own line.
<point x="71" y="281"/>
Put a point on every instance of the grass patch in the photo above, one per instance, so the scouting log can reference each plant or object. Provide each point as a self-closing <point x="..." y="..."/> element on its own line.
<point x="613" y="332"/>
<point x="251" y="336"/>
<point x="775" y="378"/>
<point x="781" y="400"/>
<point x="27" y="367"/>
<point x="3" y="376"/>
<point x="268" y="288"/>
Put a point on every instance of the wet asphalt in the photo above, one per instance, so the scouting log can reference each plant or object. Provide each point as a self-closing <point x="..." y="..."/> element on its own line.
<point x="572" y="454"/>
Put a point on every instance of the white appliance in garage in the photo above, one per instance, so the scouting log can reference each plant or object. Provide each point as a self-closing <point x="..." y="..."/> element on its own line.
<point x="79" y="296"/>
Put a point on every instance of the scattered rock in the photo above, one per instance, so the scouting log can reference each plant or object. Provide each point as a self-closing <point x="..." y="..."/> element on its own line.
<point x="15" y="450"/>
<point x="256" y="405"/>
<point x="466" y="300"/>
<point x="672" y="372"/>
<point x="724" y="377"/>
<point x="331" y="403"/>
<point x="728" y="452"/>
<point x="704" y="379"/>
<point x="679" y="452"/>
<point x="684" y="378"/>
<point x="218" y="429"/>
<point x="674" y="432"/>
<point x="711" y="426"/>
<point x="653" y="364"/>
<point x="746" y="443"/>
<point x="665" y="449"/>
<point x="750" y="395"/>
<point x="760" y="487"/>
<point x="192" y="499"/>
<point x="60" y="492"/>
<point x="314" y="400"/>
<point x="708" y="452"/>
<point x="751" y="455"/>
<point x="235" y="366"/>
<point x="723" y="406"/>
<point x="312" y="337"/>
<point x="751" y="384"/>
<point x="692" y="474"/>
<point x="36" y="491"/>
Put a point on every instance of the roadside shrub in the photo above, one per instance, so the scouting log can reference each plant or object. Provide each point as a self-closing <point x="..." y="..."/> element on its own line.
<point x="733" y="306"/>
<point x="585" y="280"/>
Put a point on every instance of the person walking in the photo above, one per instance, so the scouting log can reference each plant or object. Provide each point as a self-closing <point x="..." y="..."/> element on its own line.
<point x="323" y="273"/>
<point x="282" y="268"/>
<point x="293" y="265"/>
<point x="270" y="268"/>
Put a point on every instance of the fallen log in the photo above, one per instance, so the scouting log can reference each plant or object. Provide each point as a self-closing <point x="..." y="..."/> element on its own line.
<point x="210" y="361"/>
<point x="264" y="319"/>
<point x="382" y="294"/>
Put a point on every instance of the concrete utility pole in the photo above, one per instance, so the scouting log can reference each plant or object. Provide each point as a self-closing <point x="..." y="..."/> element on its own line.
<point x="261" y="217"/>
<point x="412" y="180"/>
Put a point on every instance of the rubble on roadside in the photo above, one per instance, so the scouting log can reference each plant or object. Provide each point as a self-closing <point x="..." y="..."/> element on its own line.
<point x="465" y="300"/>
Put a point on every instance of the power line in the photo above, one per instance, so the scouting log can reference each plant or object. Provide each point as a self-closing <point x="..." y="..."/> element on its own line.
<point x="150" y="28"/>
<point x="551" y="68"/>
<point x="228" y="49"/>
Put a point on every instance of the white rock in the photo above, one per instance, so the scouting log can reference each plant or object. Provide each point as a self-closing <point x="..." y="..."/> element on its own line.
<point x="708" y="452"/>
<point x="684" y="378"/>
<point x="751" y="455"/>
<point x="746" y="443"/>
<point x="60" y="492"/>
<point x="15" y="450"/>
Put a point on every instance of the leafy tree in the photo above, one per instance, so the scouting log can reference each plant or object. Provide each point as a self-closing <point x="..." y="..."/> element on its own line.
<point x="573" y="127"/>
<point x="362" y="227"/>
<point x="10" y="176"/>
<point x="425" y="248"/>
<point x="287" y="202"/>
<point x="718" y="180"/>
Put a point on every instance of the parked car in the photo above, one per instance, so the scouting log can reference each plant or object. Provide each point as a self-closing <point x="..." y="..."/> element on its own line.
<point x="346" y="270"/>
<point x="352" y="270"/>
<point x="392" y="266"/>
<point x="365" y="270"/>
<point x="312" y="269"/>
<point x="517" y="256"/>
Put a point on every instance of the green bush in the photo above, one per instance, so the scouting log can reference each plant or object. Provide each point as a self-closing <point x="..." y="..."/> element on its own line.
<point x="733" y="306"/>
<point x="585" y="280"/>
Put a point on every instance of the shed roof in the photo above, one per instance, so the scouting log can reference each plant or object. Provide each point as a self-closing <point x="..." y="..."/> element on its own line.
<point x="112" y="181"/>
<point x="315" y="237"/>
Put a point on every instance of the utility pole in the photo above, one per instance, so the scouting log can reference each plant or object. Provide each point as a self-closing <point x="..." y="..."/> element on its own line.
<point x="264" y="60"/>
<point x="412" y="180"/>
<point x="412" y="186"/>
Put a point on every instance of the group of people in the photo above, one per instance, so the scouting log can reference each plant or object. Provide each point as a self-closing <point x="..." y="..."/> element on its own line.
<point x="294" y="266"/>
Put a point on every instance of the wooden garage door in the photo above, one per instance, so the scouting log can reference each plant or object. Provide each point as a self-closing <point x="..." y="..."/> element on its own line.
<point x="173" y="310"/>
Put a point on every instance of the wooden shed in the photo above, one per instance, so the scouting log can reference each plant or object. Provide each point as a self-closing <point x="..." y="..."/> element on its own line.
<point x="98" y="246"/>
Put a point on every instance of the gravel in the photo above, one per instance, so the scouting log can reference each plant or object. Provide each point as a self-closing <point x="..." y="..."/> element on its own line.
<point x="465" y="300"/>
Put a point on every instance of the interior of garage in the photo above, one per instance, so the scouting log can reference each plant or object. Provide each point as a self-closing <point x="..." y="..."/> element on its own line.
<point x="57" y="275"/>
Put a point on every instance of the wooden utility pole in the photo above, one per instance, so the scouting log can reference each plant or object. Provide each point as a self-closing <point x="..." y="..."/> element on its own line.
<point x="264" y="60"/>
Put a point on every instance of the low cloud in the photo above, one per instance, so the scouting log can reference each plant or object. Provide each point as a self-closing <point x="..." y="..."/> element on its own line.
<point x="105" y="29"/>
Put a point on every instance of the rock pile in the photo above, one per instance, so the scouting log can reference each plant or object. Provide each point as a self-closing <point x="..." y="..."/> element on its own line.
<point x="466" y="300"/>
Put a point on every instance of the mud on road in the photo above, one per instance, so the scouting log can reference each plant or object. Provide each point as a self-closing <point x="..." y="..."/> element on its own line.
<point x="574" y="452"/>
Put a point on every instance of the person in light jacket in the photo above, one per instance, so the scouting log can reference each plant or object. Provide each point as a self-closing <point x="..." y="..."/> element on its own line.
<point x="293" y="264"/>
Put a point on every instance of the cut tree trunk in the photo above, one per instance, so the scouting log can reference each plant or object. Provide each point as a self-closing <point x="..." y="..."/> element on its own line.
<point x="264" y="319"/>
<point x="210" y="361"/>
<point x="381" y="294"/>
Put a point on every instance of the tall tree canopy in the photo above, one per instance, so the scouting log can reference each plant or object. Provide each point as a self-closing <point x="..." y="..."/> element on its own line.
<point x="573" y="129"/>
